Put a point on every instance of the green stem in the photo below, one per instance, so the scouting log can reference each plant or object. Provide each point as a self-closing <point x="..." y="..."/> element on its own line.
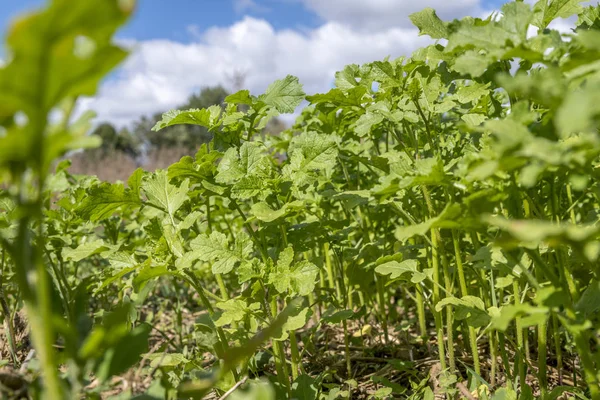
<point x="344" y="299"/>
<point x="223" y="345"/>
<point x="464" y="292"/>
<point x="436" y="298"/>
<point x="504" y="354"/>
<point x="571" y="208"/>
<point x="218" y="277"/>
<point x="449" y="314"/>
<point x="382" y="313"/>
<point x="347" y="349"/>
<point x="259" y="243"/>
<point x="542" y="353"/>
<point x="279" y="352"/>
<point x="589" y="369"/>
<point x="564" y="269"/>
<point x="494" y="358"/>
<point x="222" y="287"/>
<point x="420" y="302"/>
<point x="333" y="284"/>
<point x="557" y="348"/>
<point x="520" y="343"/>
<point x="296" y="366"/>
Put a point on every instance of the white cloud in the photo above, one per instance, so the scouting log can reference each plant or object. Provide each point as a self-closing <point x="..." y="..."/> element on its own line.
<point x="241" y="6"/>
<point x="161" y="74"/>
<point x="377" y="15"/>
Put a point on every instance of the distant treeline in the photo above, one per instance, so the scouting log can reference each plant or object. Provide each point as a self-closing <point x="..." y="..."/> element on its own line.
<point x="125" y="148"/>
<point x="140" y="138"/>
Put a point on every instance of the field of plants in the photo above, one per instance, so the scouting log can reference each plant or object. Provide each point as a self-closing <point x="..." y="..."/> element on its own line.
<point x="429" y="228"/>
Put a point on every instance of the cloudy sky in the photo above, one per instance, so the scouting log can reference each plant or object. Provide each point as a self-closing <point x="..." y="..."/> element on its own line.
<point x="179" y="46"/>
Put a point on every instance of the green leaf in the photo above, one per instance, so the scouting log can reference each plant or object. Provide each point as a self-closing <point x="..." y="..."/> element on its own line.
<point x="257" y="390"/>
<point x="397" y="269"/>
<point x="353" y="198"/>
<point x="470" y="308"/>
<point x="531" y="315"/>
<point x="350" y="98"/>
<point x="429" y="24"/>
<point x="516" y="20"/>
<point x="338" y="316"/>
<point x="164" y="195"/>
<point x="505" y="394"/>
<point x="215" y="248"/>
<point x="545" y="86"/>
<point x="235" y="310"/>
<point x="579" y="111"/>
<point x="305" y="388"/>
<point x="206" y="117"/>
<point x="135" y="181"/>
<point x="545" y="11"/>
<point x="589" y="302"/>
<point x="284" y="95"/>
<point x="148" y="273"/>
<point x="263" y="212"/>
<point x="472" y="93"/>
<point x="365" y="123"/>
<point x="105" y="199"/>
<point x="472" y="63"/>
<point x="244" y="352"/>
<point x="186" y="168"/>
<point x="589" y="18"/>
<point x="310" y="152"/>
<point x="166" y="359"/>
<point x="247" y="162"/>
<point x="536" y="231"/>
<point x="427" y="171"/>
<point x="346" y="78"/>
<point x="450" y="217"/>
<point x="490" y="37"/>
<point x="250" y="186"/>
<point x="473" y="119"/>
<point x="295" y="321"/>
<point x="508" y="133"/>
<point x="125" y="353"/>
<point x="34" y="80"/>
<point x="85" y="250"/>
<point x="298" y="280"/>
<point x="240" y="97"/>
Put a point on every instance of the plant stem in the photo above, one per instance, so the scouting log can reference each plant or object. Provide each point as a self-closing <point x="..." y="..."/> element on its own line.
<point x="589" y="369"/>
<point x="464" y="292"/>
<point x="347" y="349"/>
<point x="279" y="352"/>
<point x="542" y="353"/>
<point x="218" y="277"/>
<point x="449" y="315"/>
<point x="344" y="299"/>
<point x="565" y="272"/>
<point x="296" y="363"/>
<point x="520" y="362"/>
<point x="223" y="342"/>
<point x="557" y="348"/>
<point x="436" y="298"/>
<point x="420" y="301"/>
<point x="333" y="284"/>
<point x="382" y="313"/>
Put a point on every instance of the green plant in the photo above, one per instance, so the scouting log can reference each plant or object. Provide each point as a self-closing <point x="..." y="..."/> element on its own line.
<point x="445" y="205"/>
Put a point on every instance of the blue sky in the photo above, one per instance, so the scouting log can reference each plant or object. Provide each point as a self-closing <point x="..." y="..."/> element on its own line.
<point x="169" y="19"/>
<point x="180" y="46"/>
